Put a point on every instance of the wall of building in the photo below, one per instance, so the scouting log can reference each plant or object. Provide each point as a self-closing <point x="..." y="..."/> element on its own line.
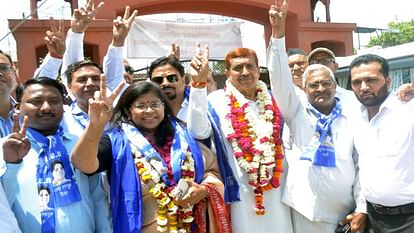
<point x="301" y="30"/>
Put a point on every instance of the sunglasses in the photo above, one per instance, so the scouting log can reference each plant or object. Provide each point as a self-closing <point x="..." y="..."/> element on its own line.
<point x="172" y="78"/>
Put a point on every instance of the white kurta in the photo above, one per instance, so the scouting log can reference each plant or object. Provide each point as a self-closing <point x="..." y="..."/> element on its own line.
<point x="324" y="194"/>
<point x="243" y="216"/>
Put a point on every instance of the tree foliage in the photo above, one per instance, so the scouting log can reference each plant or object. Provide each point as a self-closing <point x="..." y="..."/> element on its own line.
<point x="399" y="33"/>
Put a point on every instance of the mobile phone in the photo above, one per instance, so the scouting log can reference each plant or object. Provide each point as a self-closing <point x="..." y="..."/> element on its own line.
<point x="343" y="228"/>
<point x="181" y="189"/>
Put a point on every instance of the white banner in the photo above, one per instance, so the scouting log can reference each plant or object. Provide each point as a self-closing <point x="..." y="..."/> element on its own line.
<point x="152" y="39"/>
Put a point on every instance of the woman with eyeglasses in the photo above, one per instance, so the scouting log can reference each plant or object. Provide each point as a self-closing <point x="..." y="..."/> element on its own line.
<point x="162" y="180"/>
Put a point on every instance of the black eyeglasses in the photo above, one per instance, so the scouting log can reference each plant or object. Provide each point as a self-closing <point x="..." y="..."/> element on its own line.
<point x="5" y="68"/>
<point x="172" y="78"/>
<point x="323" y="61"/>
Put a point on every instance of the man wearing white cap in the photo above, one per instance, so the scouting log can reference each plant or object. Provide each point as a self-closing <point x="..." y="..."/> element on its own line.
<point x="326" y="57"/>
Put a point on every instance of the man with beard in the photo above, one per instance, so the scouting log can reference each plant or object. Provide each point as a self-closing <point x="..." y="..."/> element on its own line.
<point x="168" y="72"/>
<point x="325" y="165"/>
<point x="29" y="152"/>
<point x="384" y="140"/>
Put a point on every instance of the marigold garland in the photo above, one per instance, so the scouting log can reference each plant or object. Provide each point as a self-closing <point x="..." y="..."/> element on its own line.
<point x="170" y="216"/>
<point x="256" y="140"/>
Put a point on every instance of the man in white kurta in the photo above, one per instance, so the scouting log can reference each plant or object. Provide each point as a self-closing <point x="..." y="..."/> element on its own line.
<point x="243" y="88"/>
<point x="320" y="196"/>
<point x="243" y="216"/>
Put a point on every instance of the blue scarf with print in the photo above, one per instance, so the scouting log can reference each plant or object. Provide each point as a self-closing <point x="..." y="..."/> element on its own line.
<point x="321" y="149"/>
<point x="54" y="176"/>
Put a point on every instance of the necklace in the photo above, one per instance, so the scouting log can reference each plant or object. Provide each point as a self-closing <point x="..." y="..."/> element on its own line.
<point x="256" y="140"/>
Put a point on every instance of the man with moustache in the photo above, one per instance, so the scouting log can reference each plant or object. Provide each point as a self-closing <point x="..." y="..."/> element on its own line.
<point x="29" y="155"/>
<point x="168" y="72"/>
<point x="384" y="140"/>
<point x="325" y="165"/>
<point x="326" y="57"/>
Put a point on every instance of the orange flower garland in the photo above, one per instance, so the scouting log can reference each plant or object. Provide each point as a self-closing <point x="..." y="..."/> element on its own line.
<point x="256" y="140"/>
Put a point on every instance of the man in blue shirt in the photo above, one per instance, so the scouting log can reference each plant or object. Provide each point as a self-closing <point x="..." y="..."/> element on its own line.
<point x="29" y="155"/>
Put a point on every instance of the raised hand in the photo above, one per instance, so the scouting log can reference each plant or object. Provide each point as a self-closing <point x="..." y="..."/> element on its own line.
<point x="100" y="107"/>
<point x="17" y="145"/>
<point x="55" y="39"/>
<point x="199" y="65"/>
<point x="82" y="18"/>
<point x="406" y="92"/>
<point x="277" y="17"/>
<point x="175" y="51"/>
<point x="121" y="27"/>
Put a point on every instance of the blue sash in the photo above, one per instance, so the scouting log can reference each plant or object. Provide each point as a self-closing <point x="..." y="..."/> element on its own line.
<point x="126" y="203"/>
<point x="321" y="149"/>
<point x="182" y="141"/>
<point x="231" y="187"/>
<point x="54" y="176"/>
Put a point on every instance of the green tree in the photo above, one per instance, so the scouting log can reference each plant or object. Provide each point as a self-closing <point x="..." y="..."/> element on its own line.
<point x="399" y="33"/>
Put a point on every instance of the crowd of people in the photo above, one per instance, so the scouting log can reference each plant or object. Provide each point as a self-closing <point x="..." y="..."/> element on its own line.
<point x="91" y="149"/>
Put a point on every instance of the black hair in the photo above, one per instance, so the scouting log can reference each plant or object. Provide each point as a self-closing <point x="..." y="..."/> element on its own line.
<point x="129" y="69"/>
<point x="43" y="187"/>
<point x="368" y="58"/>
<point x="72" y="68"/>
<point x="162" y="61"/>
<point x="8" y="57"/>
<point x="43" y="81"/>
<point x="52" y="166"/>
<point x="122" y="109"/>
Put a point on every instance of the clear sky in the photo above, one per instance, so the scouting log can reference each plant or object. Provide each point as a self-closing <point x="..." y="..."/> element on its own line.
<point x="366" y="13"/>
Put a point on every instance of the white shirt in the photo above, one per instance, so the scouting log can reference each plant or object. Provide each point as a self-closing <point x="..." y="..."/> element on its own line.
<point x="319" y="193"/>
<point x="243" y="216"/>
<point x="348" y="99"/>
<point x="49" y="67"/>
<point x="386" y="148"/>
